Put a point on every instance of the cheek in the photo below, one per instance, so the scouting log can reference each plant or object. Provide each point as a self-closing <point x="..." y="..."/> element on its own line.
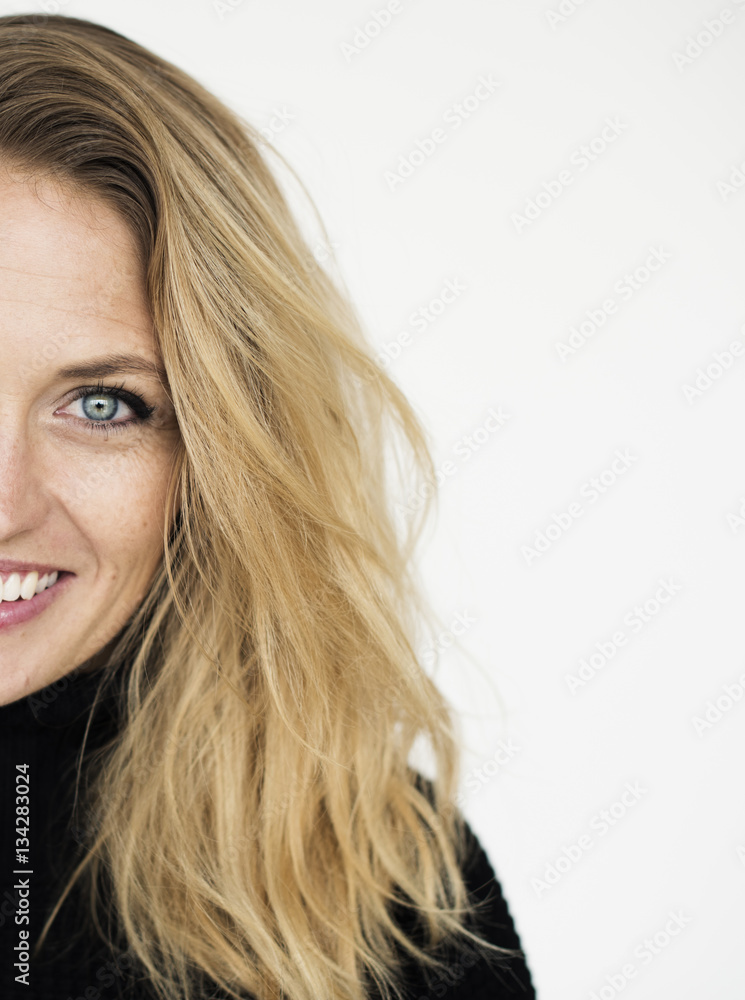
<point x="117" y="500"/>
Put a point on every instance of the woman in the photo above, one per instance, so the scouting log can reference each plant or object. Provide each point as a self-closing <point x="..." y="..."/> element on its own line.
<point x="209" y="686"/>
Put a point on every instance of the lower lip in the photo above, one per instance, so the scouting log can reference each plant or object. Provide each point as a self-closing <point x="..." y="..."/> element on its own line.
<point x="15" y="612"/>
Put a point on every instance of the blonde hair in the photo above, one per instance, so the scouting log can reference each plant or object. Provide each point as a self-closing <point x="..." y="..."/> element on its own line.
<point x="256" y="822"/>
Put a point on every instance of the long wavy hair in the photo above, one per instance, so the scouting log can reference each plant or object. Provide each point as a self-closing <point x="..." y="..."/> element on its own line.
<point x="255" y="823"/>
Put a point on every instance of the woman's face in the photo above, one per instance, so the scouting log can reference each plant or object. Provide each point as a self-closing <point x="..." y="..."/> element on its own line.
<point x="82" y="480"/>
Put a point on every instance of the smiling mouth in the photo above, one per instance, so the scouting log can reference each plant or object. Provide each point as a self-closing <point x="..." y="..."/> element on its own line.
<point x="18" y="612"/>
<point x="26" y="586"/>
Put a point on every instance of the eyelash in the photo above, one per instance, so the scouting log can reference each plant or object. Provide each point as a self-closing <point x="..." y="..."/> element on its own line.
<point x="142" y="410"/>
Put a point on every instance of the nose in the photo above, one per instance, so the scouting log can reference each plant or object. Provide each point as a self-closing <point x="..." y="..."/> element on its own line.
<point x="23" y="483"/>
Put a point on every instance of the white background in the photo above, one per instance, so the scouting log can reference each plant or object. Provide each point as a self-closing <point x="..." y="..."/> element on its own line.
<point x="679" y="846"/>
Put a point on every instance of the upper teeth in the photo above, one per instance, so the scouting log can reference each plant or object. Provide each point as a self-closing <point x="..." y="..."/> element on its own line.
<point x="25" y="587"/>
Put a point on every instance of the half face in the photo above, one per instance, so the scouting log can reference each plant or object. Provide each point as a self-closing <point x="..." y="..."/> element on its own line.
<point x="88" y="436"/>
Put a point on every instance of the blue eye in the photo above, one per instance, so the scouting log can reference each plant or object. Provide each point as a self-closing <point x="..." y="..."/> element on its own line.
<point x="101" y="403"/>
<point x="103" y="406"/>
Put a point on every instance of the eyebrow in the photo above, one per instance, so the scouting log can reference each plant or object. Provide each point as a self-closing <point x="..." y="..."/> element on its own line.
<point x="113" y="364"/>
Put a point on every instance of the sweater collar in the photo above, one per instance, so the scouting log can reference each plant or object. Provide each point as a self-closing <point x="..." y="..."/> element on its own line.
<point x="61" y="703"/>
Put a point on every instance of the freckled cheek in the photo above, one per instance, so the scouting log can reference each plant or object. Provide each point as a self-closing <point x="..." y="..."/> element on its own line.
<point x="118" y="503"/>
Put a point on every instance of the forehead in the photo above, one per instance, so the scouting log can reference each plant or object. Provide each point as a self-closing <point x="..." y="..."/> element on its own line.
<point x="67" y="255"/>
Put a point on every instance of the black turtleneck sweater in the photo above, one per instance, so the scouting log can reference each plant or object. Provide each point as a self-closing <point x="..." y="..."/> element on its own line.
<point x="40" y="738"/>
